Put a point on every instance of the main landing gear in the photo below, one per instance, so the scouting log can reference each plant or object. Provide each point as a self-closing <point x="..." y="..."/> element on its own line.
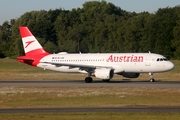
<point x="106" y="80"/>
<point x="88" y="79"/>
<point x="151" y="77"/>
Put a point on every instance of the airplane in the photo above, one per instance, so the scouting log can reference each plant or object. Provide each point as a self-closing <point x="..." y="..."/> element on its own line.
<point x="100" y="65"/>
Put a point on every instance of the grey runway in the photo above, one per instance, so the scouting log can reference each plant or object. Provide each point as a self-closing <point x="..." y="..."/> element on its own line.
<point x="82" y="84"/>
<point x="89" y="109"/>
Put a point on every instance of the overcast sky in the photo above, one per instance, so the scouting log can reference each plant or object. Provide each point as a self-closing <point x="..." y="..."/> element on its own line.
<point x="13" y="9"/>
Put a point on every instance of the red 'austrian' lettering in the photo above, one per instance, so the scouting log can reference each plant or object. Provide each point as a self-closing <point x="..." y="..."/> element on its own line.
<point x="132" y="58"/>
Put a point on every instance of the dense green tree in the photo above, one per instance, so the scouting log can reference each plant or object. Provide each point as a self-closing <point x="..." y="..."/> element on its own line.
<point x="176" y="33"/>
<point x="165" y="20"/>
<point x="5" y="35"/>
<point x="147" y="42"/>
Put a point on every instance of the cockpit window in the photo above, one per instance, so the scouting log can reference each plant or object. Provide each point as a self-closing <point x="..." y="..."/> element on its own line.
<point x="162" y="59"/>
<point x="165" y="59"/>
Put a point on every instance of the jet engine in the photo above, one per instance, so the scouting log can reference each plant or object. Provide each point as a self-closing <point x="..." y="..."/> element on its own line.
<point x="104" y="73"/>
<point x="129" y="75"/>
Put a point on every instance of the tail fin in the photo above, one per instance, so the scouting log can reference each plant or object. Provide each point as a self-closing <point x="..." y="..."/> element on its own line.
<point x="30" y="43"/>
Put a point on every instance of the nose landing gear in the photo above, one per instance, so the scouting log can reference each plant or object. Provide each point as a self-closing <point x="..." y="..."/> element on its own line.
<point x="151" y="77"/>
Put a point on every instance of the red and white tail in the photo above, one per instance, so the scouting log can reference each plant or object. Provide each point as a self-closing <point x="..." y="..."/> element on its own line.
<point x="30" y="43"/>
<point x="33" y="50"/>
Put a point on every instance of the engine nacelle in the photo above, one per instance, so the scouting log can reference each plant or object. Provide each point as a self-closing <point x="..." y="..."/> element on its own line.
<point x="104" y="73"/>
<point x="130" y="75"/>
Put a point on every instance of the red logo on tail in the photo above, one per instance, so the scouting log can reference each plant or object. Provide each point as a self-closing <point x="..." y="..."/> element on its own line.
<point x="28" y="43"/>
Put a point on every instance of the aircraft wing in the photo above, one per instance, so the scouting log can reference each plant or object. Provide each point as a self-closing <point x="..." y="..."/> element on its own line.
<point x="82" y="67"/>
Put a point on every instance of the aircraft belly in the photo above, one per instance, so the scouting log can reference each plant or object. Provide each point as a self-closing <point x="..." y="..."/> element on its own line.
<point x="133" y="67"/>
<point x="138" y="68"/>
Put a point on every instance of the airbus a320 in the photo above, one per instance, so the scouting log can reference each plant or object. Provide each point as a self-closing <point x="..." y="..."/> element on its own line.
<point x="100" y="65"/>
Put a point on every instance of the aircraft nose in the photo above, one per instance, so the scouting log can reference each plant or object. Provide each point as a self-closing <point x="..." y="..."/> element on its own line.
<point x="170" y="66"/>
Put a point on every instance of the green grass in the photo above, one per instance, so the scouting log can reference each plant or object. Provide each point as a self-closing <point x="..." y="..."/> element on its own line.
<point x="11" y="65"/>
<point x="80" y="97"/>
<point x="94" y="116"/>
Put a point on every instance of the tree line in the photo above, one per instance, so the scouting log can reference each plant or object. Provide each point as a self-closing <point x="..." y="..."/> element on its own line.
<point x="97" y="27"/>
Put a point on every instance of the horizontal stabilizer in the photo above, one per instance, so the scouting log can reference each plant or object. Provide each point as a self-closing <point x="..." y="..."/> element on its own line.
<point x="24" y="59"/>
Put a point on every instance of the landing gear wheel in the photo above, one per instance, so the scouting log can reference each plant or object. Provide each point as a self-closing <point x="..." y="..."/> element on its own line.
<point x="152" y="80"/>
<point x="106" y="80"/>
<point x="88" y="79"/>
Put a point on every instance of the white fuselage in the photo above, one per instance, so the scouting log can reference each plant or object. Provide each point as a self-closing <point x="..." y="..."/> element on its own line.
<point x="120" y="62"/>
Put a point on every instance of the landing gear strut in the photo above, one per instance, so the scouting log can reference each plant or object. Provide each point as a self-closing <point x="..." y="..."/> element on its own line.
<point x="151" y="77"/>
<point x="88" y="79"/>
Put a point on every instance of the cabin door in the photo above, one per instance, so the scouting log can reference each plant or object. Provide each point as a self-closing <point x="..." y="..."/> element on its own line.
<point x="44" y="65"/>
